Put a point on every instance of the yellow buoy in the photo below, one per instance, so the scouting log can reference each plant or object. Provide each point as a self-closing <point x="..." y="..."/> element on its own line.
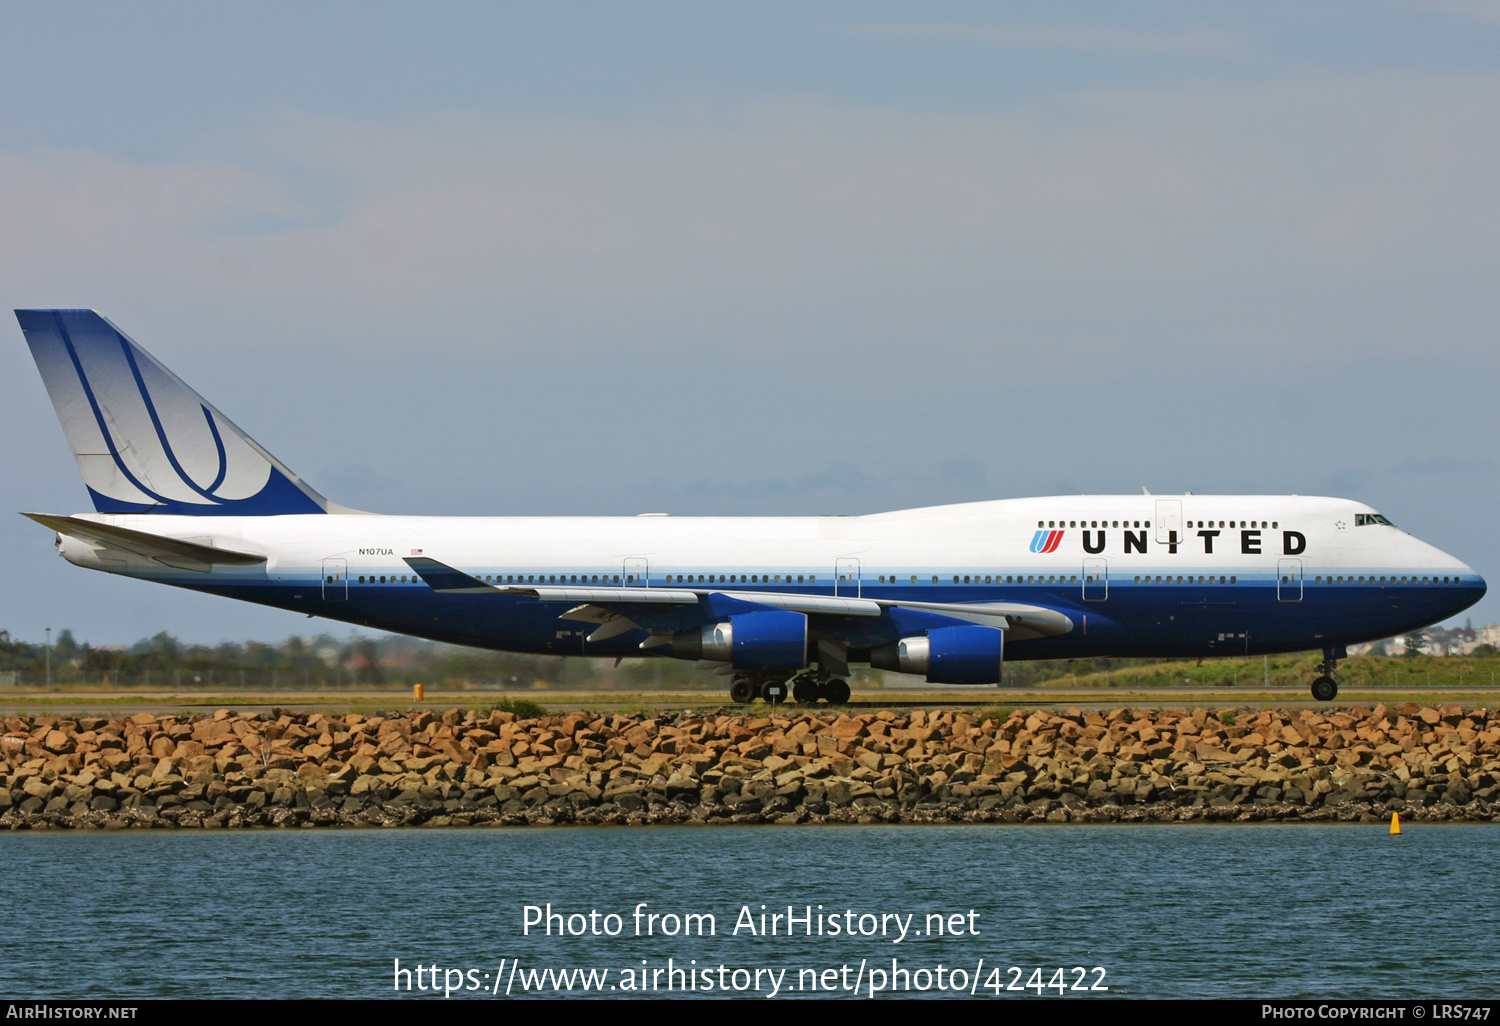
<point x="1395" y="822"/>
<point x="416" y="695"/>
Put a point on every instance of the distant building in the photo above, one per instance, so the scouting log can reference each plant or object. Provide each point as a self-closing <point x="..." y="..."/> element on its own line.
<point x="1436" y="641"/>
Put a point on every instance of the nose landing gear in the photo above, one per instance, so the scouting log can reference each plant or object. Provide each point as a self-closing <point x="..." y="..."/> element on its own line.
<point x="1326" y="687"/>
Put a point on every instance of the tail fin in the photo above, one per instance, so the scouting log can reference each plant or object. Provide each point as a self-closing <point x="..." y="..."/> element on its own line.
<point x="146" y="442"/>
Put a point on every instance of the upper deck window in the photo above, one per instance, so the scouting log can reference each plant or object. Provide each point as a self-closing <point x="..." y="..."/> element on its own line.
<point x="1362" y="519"/>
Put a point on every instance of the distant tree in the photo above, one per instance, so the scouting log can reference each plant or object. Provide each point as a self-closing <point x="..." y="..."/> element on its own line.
<point x="65" y="648"/>
<point x="15" y="655"/>
<point x="163" y="644"/>
<point x="1415" y="642"/>
<point x="101" y="660"/>
<point x="366" y="661"/>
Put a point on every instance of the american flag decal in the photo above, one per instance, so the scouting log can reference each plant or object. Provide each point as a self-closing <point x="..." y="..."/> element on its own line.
<point x="416" y="552"/>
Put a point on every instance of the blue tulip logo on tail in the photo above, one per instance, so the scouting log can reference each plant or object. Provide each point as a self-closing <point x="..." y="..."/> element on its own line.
<point x="1044" y="542"/>
<point x="144" y="441"/>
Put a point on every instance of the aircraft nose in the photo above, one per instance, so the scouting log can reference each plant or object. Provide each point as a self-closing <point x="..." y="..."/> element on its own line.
<point x="1472" y="588"/>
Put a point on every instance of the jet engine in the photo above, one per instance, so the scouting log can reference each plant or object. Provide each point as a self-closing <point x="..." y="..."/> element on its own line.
<point x="772" y="640"/>
<point x="946" y="655"/>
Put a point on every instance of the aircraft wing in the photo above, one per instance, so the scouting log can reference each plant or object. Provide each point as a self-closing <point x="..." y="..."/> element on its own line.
<point x="174" y="552"/>
<point x="621" y="609"/>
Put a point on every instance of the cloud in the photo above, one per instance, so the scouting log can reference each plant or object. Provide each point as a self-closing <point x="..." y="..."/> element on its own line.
<point x="1270" y="224"/>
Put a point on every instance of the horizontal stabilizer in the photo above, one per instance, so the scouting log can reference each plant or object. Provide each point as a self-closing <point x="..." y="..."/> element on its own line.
<point x="185" y="555"/>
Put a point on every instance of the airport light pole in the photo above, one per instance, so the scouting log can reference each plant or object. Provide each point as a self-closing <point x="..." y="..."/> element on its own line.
<point x="49" y="658"/>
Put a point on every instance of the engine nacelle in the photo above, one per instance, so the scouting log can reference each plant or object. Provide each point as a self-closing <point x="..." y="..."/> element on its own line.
<point x="947" y="655"/>
<point x="772" y="640"/>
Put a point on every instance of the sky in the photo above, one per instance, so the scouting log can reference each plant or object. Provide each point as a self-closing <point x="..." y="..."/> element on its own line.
<point x="573" y="258"/>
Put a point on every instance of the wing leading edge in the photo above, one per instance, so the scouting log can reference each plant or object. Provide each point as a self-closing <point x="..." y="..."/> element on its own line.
<point x="664" y="611"/>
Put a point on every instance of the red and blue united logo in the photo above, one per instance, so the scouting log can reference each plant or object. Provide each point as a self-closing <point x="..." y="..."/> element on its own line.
<point x="1046" y="541"/>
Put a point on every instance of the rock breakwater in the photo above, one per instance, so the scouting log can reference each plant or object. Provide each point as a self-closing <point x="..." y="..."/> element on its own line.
<point x="491" y="767"/>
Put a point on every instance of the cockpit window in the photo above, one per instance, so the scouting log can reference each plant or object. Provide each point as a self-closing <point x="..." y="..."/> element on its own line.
<point x="1361" y="519"/>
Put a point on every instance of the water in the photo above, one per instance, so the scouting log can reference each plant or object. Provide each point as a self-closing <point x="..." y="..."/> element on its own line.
<point x="1317" y="911"/>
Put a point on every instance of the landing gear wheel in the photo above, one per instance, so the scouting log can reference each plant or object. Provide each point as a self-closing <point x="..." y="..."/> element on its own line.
<point x="773" y="691"/>
<point x="837" y="692"/>
<point x="1325" y="689"/>
<point x="805" y="691"/>
<point x="742" y="691"/>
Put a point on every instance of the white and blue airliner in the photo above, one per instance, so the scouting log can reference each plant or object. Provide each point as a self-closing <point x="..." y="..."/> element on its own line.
<point x="184" y="497"/>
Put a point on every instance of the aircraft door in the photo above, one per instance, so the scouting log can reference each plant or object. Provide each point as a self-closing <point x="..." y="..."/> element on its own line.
<point x="846" y="576"/>
<point x="1289" y="580"/>
<point x="1095" y="580"/>
<point x="1168" y="521"/>
<point x="335" y="580"/>
<point x="637" y="572"/>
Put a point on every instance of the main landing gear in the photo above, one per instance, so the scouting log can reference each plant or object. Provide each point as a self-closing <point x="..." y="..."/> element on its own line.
<point x="806" y="688"/>
<point x="811" y="685"/>
<point x="1326" y="687"/>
